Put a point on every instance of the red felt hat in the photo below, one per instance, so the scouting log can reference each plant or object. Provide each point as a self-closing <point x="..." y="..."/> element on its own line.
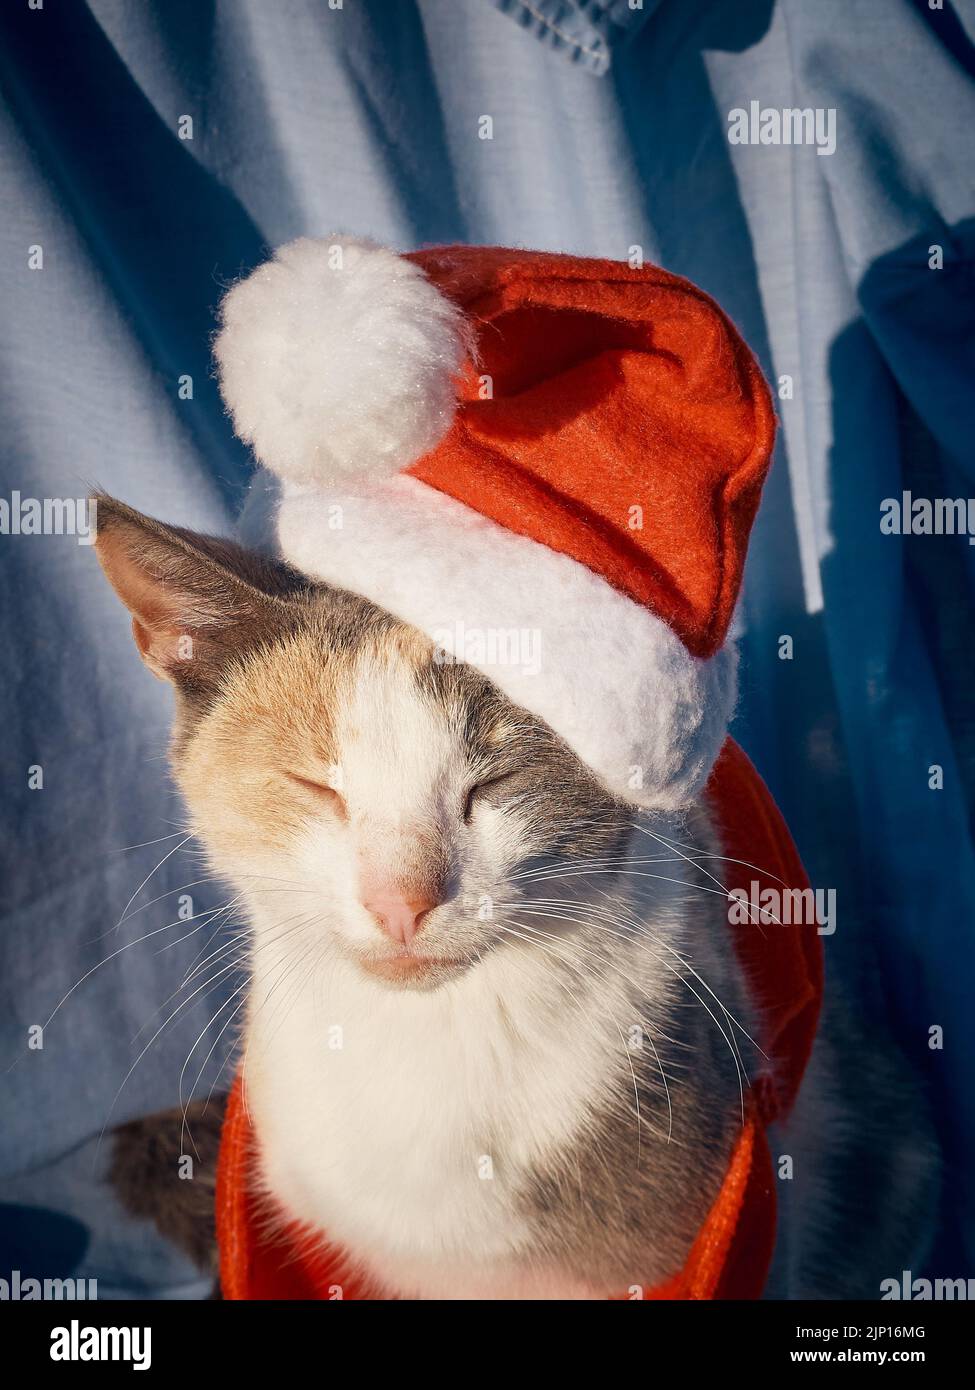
<point x="549" y="464"/>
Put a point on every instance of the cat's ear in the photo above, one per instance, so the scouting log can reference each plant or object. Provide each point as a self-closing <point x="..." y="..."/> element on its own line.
<point x="196" y="601"/>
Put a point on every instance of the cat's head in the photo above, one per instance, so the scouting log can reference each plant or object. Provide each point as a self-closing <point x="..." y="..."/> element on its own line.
<point x="334" y="763"/>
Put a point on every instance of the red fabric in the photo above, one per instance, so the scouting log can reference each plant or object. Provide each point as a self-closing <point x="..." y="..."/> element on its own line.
<point x="261" y="1259"/>
<point x="613" y="388"/>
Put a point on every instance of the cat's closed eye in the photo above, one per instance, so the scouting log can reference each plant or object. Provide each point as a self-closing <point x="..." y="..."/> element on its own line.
<point x="322" y="790"/>
<point x="487" y="784"/>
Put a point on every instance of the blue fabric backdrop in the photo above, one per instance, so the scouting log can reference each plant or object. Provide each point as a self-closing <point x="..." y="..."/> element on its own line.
<point x="610" y="130"/>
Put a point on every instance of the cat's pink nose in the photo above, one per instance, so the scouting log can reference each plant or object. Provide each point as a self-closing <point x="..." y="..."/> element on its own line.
<point x="399" y="917"/>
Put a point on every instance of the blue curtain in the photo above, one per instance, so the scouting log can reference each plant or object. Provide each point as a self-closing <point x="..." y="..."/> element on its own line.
<point x="153" y="152"/>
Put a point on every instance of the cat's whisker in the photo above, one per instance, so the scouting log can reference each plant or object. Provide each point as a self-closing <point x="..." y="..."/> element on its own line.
<point x="181" y="888"/>
<point x="636" y="1092"/>
<point x="144" y="844"/>
<point x="636" y="929"/>
<point x="239" y="927"/>
<point x="165" y="859"/>
<point x="562" y="916"/>
<point x="633" y="873"/>
<point x="241" y="940"/>
<point x="709" y="875"/>
<point x="595" y="863"/>
<point x="213" y="959"/>
<point x="685" y="962"/>
<point x="638" y="873"/>
<point x="179" y="1008"/>
<point x="184" y="1106"/>
<point x="216" y="1079"/>
<point x="535" y="937"/>
<point x="237" y="942"/>
<point x="226" y="961"/>
<point x="303" y="978"/>
<point x="733" y="1022"/>
<point x="725" y="858"/>
<point x="195" y="883"/>
<point x="191" y="969"/>
<point x="225" y="911"/>
<point x="300" y="958"/>
<point x="573" y="943"/>
<point x="127" y="947"/>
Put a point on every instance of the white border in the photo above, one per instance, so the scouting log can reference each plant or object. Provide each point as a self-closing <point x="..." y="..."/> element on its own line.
<point x="608" y="676"/>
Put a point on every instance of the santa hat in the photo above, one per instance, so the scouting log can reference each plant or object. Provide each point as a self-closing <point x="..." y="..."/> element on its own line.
<point x="548" y="464"/>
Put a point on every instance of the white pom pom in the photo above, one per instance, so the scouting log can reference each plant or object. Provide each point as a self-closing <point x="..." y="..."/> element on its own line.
<point x="337" y="361"/>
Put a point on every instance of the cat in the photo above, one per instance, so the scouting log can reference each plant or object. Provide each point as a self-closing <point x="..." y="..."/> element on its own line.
<point x="430" y="870"/>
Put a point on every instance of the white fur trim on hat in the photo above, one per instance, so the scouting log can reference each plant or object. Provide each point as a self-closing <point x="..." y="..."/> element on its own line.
<point x="600" y="669"/>
<point x="337" y="361"/>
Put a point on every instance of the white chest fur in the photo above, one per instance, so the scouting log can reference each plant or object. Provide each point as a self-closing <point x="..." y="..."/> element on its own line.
<point x="403" y="1124"/>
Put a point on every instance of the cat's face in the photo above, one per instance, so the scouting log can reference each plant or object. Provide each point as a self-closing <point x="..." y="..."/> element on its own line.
<point x="400" y="800"/>
<point x="342" y="777"/>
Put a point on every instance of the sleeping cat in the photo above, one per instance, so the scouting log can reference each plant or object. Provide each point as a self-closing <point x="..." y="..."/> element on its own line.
<point x="544" y="1036"/>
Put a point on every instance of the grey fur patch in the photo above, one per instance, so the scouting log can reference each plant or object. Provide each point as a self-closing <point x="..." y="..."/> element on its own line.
<point x="144" y="1172"/>
<point x="623" y="1204"/>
